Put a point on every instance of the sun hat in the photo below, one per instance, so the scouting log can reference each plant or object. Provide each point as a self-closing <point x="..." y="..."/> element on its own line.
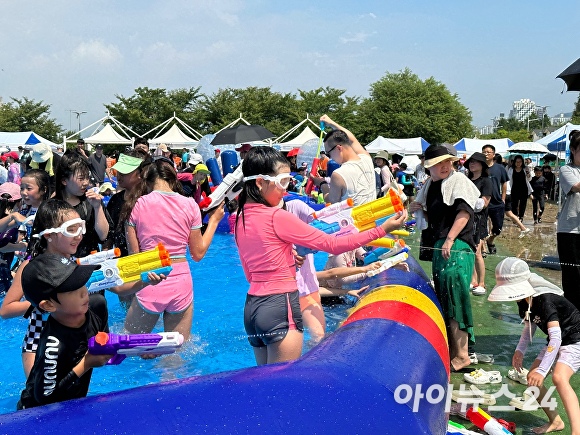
<point x="512" y="281"/>
<point x="163" y="147"/>
<point x="126" y="164"/>
<point x="478" y="157"/>
<point x="12" y="154"/>
<point x="50" y="273"/>
<point x="195" y="159"/>
<point x="201" y="169"/>
<point x="41" y="152"/>
<point x="382" y="155"/>
<point x="245" y="147"/>
<point x="437" y="153"/>
<point x="11" y="189"/>
<point x="105" y="186"/>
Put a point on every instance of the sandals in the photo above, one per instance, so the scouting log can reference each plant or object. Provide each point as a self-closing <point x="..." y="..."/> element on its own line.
<point x="521" y="377"/>
<point x="527" y="402"/>
<point x="473" y="396"/>
<point x="481" y="377"/>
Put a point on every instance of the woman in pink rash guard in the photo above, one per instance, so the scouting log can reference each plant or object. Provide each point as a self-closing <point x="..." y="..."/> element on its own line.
<point x="265" y="235"/>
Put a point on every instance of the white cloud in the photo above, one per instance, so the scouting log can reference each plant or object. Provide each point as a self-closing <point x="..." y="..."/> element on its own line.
<point x="354" y="37"/>
<point x="96" y="51"/>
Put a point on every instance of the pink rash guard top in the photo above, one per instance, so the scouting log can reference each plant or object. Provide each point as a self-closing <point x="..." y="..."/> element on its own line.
<point x="265" y="246"/>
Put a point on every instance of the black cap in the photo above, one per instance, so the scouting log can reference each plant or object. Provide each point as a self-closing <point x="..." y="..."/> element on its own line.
<point x="81" y="141"/>
<point x="98" y="146"/>
<point x="50" y="273"/>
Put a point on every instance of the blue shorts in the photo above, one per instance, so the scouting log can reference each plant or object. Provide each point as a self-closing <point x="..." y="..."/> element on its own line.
<point x="268" y="319"/>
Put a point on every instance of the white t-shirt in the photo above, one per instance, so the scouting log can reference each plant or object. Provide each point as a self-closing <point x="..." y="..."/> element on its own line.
<point x="359" y="177"/>
<point x="569" y="216"/>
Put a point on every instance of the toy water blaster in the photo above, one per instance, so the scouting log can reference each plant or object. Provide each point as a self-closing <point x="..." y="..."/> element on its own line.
<point x="388" y="263"/>
<point x="134" y="267"/>
<point x="486" y="422"/>
<point x="214" y="171"/>
<point x="122" y="346"/>
<point x="315" y="161"/>
<point x="228" y="189"/>
<point x="396" y="247"/>
<point x="342" y="219"/>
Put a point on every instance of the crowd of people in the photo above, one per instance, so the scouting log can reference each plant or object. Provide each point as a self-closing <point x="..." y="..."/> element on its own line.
<point x="53" y="212"/>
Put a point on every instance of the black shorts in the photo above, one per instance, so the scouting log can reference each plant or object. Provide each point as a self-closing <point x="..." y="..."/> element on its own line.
<point x="508" y="203"/>
<point x="496" y="215"/>
<point x="267" y="318"/>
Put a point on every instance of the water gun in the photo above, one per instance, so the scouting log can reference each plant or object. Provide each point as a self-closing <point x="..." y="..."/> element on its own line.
<point x="228" y="189"/>
<point x="388" y="263"/>
<point x="315" y="162"/>
<point x="131" y="268"/>
<point x="348" y="220"/>
<point x="485" y="422"/>
<point x="97" y="257"/>
<point x="122" y="346"/>
<point x="458" y="429"/>
<point x="379" y="254"/>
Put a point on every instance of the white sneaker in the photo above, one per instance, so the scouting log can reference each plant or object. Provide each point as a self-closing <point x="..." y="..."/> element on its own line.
<point x="473" y="358"/>
<point x="524" y="232"/>
<point x="478" y="291"/>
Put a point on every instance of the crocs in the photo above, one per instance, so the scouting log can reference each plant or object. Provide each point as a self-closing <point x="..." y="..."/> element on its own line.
<point x="473" y="396"/>
<point x="480" y="377"/>
<point x="521" y="377"/>
<point x="527" y="402"/>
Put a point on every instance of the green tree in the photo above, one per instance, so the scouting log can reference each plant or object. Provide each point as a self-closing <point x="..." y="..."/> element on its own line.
<point x="273" y="110"/>
<point x="576" y="113"/>
<point x="330" y="101"/>
<point x="148" y="108"/>
<point x="28" y="115"/>
<point x="401" y="106"/>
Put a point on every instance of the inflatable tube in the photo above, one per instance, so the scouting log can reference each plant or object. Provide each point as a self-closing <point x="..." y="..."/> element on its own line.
<point x="214" y="169"/>
<point x="290" y="196"/>
<point x="331" y="167"/>
<point x="385" y="370"/>
<point x="229" y="161"/>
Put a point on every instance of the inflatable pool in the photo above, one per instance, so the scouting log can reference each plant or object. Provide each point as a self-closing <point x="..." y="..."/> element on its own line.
<point x="385" y="370"/>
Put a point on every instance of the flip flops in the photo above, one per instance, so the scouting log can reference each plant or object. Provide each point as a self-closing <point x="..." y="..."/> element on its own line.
<point x="527" y="402"/>
<point x="481" y="377"/>
<point x="473" y="396"/>
<point x="521" y="377"/>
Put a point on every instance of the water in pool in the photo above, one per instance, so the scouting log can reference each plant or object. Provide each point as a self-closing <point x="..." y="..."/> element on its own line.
<point x="218" y="342"/>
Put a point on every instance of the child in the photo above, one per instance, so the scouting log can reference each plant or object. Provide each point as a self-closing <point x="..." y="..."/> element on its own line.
<point x="542" y="304"/>
<point x="63" y="369"/>
<point x="72" y="186"/>
<point x="538" y="183"/>
<point x="265" y="235"/>
<point x="10" y="200"/>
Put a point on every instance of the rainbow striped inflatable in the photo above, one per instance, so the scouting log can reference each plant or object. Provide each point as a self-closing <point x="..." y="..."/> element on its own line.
<point x="382" y="371"/>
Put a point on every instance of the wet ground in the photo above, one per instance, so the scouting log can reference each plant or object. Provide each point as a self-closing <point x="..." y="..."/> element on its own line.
<point x="497" y="325"/>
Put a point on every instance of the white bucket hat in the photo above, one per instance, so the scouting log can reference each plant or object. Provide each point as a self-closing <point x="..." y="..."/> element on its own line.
<point x="511" y="276"/>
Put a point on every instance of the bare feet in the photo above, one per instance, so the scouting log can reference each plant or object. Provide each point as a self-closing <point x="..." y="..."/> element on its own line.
<point x="551" y="426"/>
<point x="458" y="363"/>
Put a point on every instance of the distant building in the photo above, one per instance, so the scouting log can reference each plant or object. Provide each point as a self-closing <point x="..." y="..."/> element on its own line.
<point x="561" y="118"/>
<point x="524" y="108"/>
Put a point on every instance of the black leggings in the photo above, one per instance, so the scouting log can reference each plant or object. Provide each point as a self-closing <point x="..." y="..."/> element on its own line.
<point x="538" y="199"/>
<point x="569" y="253"/>
<point x="519" y="204"/>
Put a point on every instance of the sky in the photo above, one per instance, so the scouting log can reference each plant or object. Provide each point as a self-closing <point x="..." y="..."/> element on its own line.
<point x="80" y="55"/>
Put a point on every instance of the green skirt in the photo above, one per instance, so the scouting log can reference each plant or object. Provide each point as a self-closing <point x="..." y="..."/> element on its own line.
<point x="452" y="279"/>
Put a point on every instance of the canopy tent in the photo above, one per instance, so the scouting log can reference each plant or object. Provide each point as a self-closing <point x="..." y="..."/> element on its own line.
<point x="299" y="140"/>
<point x="470" y="146"/>
<point x="108" y="135"/>
<point x="174" y="137"/>
<point x="26" y="139"/>
<point x="558" y="139"/>
<point x="413" y="145"/>
<point x="383" y="144"/>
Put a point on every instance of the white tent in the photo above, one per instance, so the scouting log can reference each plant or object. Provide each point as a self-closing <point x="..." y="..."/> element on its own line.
<point x="383" y="144"/>
<point x="108" y="135"/>
<point x="175" y="138"/>
<point x="470" y="146"/>
<point x="299" y="140"/>
<point x="26" y="139"/>
<point x="558" y="140"/>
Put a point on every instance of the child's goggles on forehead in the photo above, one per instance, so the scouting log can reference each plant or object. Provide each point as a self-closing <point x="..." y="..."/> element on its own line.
<point x="72" y="228"/>
<point x="281" y="180"/>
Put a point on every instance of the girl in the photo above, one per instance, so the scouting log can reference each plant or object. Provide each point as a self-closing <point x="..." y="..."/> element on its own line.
<point x="520" y="186"/>
<point x="72" y="186"/>
<point x="177" y="224"/>
<point x="479" y="175"/>
<point x="265" y="235"/>
<point x="10" y="200"/>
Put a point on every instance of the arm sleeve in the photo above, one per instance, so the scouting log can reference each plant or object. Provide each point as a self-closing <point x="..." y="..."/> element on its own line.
<point x="526" y="337"/>
<point x="555" y="336"/>
<point x="291" y="229"/>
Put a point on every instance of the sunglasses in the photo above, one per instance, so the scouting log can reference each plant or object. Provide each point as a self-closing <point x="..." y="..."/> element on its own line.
<point x="332" y="149"/>
<point x="72" y="228"/>
<point x="281" y="180"/>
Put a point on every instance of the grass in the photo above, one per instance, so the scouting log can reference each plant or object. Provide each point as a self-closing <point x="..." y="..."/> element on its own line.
<point x="497" y="331"/>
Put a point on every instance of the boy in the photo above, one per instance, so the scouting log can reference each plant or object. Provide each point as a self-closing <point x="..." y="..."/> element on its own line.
<point x="62" y="368"/>
<point x="542" y="304"/>
<point x="538" y="183"/>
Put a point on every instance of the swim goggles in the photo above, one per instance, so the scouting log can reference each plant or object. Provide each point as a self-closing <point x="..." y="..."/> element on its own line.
<point x="281" y="180"/>
<point x="72" y="228"/>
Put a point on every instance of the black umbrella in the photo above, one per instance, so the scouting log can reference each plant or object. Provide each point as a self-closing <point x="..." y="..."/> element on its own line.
<point x="571" y="76"/>
<point x="241" y="134"/>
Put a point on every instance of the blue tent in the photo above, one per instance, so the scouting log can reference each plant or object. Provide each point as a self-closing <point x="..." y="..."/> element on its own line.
<point x="13" y="140"/>
<point x="558" y="140"/>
